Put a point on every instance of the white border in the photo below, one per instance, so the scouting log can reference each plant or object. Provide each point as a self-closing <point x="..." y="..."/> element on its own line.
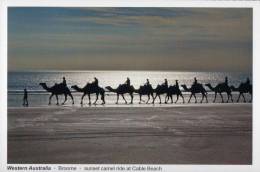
<point x="137" y="3"/>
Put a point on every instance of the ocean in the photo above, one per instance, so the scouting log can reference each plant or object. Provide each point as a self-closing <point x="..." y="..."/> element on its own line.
<point x="17" y="81"/>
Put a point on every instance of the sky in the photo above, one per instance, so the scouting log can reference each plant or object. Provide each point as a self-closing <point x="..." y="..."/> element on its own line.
<point x="175" y="39"/>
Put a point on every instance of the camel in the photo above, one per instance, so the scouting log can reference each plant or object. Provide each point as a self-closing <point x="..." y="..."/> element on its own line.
<point x="174" y="90"/>
<point x="219" y="89"/>
<point x="198" y="88"/>
<point x="144" y="90"/>
<point x="243" y="88"/>
<point x="160" y="89"/>
<point x="56" y="90"/>
<point x="121" y="90"/>
<point x="90" y="89"/>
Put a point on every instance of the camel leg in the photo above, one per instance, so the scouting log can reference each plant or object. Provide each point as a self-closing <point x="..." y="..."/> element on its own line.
<point x="221" y="97"/>
<point x="231" y="97"/>
<point x="71" y="98"/>
<point x="117" y="98"/>
<point x="82" y="97"/>
<point x="148" y="99"/>
<point x="96" y="99"/>
<point x="215" y="97"/>
<point x="239" y="97"/>
<point x="140" y="98"/>
<point x="171" y="99"/>
<point x="177" y="98"/>
<point x="206" y="98"/>
<point x="124" y="98"/>
<point x="65" y="99"/>
<point x="57" y="98"/>
<point x="182" y="98"/>
<point x="227" y="97"/>
<point x="132" y="97"/>
<point x="154" y="98"/>
<point x="203" y="95"/>
<point x="166" y="97"/>
<point x="190" y="98"/>
<point x="243" y="97"/>
<point x="160" y="98"/>
<point x="89" y="99"/>
<point x="50" y="98"/>
<point x="195" y="98"/>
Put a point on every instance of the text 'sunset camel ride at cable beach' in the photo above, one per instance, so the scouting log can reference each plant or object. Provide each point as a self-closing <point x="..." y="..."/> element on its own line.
<point x="90" y="89"/>
<point x="57" y="89"/>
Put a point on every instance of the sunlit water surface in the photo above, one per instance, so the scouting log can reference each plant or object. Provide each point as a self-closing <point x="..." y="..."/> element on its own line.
<point x="17" y="81"/>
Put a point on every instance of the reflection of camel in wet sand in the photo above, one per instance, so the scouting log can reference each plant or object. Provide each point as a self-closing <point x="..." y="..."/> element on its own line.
<point x="121" y="90"/>
<point x="243" y="88"/>
<point x="160" y="89"/>
<point x="56" y="90"/>
<point x="198" y="88"/>
<point x="174" y="90"/>
<point x="90" y="89"/>
<point x="220" y="88"/>
<point x="145" y="90"/>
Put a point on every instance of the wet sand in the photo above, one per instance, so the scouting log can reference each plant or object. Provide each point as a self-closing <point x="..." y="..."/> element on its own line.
<point x="190" y="134"/>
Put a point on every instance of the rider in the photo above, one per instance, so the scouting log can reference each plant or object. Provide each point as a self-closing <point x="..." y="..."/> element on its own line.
<point x="95" y="82"/>
<point x="226" y="81"/>
<point x="247" y="81"/>
<point x="177" y="83"/>
<point x="64" y="82"/>
<point x="165" y="83"/>
<point x="195" y="81"/>
<point x="127" y="82"/>
<point x="147" y="82"/>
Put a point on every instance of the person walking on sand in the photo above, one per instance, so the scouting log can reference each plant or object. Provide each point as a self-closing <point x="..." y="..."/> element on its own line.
<point x="25" y="97"/>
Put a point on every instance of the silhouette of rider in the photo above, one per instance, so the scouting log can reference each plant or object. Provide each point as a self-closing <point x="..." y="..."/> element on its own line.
<point x="195" y="81"/>
<point x="248" y="81"/>
<point x="64" y="82"/>
<point x="127" y="82"/>
<point x="165" y="83"/>
<point x="95" y="82"/>
<point x="147" y="82"/>
<point x="226" y="81"/>
<point x="25" y="96"/>
<point x="177" y="83"/>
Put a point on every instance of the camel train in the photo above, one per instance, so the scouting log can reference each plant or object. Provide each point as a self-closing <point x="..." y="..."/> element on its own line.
<point x="149" y="91"/>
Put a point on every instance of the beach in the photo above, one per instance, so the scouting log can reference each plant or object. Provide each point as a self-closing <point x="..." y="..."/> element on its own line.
<point x="212" y="133"/>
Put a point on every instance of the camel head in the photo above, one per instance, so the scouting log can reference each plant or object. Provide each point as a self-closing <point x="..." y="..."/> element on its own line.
<point x="108" y="87"/>
<point x="44" y="85"/>
<point x="184" y="87"/>
<point x="233" y="88"/>
<point x="74" y="87"/>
